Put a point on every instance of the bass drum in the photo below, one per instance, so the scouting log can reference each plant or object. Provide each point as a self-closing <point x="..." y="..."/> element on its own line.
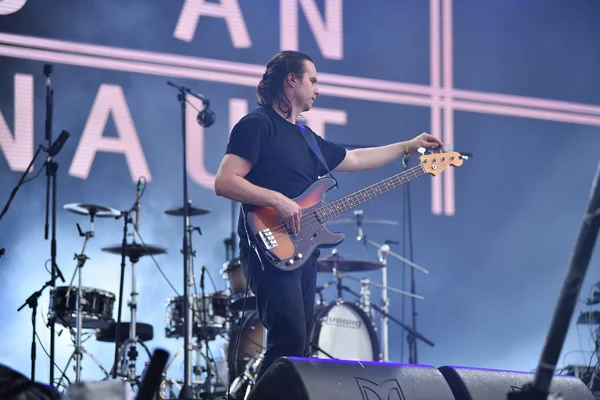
<point x="251" y="344"/>
<point x="344" y="331"/>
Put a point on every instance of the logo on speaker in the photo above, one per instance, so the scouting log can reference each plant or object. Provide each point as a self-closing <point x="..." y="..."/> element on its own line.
<point x="386" y="390"/>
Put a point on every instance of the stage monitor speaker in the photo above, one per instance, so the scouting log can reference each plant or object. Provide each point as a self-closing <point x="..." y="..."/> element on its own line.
<point x="487" y="384"/>
<point x="312" y="379"/>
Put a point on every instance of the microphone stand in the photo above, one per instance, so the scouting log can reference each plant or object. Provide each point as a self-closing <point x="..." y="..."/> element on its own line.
<point x="51" y="168"/>
<point x="32" y="302"/>
<point x="186" y="389"/>
<point x="410" y="337"/>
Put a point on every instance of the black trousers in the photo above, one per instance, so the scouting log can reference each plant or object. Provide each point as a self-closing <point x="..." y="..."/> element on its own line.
<point x="285" y="302"/>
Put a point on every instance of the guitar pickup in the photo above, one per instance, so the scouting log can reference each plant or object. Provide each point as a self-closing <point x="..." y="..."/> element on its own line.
<point x="267" y="238"/>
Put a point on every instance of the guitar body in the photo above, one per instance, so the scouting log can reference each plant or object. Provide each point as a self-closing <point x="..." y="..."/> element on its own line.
<point x="285" y="250"/>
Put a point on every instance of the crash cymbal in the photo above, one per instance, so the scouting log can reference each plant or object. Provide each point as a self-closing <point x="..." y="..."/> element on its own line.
<point x="135" y="250"/>
<point x="178" y="212"/>
<point x="341" y="264"/>
<point x="92" y="209"/>
<point x="363" y="221"/>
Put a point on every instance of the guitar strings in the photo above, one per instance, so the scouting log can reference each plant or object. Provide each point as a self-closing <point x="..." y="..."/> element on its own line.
<point x="282" y="230"/>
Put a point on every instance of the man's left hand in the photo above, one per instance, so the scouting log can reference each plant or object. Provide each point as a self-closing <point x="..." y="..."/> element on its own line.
<point x="425" y="140"/>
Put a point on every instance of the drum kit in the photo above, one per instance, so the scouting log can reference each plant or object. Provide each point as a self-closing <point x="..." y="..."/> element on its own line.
<point x="342" y="329"/>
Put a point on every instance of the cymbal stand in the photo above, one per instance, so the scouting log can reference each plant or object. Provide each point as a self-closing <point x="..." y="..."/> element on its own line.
<point x="81" y="259"/>
<point x="133" y="339"/>
<point x="126" y="221"/>
<point x="367" y="282"/>
<point x="382" y="252"/>
<point x="365" y="296"/>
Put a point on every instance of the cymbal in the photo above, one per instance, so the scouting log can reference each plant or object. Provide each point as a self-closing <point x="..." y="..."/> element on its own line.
<point x="92" y="209"/>
<point x="134" y="250"/>
<point x="589" y="318"/>
<point x="363" y="221"/>
<point x="341" y="264"/>
<point x="192" y="211"/>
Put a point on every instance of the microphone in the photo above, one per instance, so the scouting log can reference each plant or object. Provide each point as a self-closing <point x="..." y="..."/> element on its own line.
<point x="202" y="277"/>
<point x="58" y="144"/>
<point x="206" y="117"/>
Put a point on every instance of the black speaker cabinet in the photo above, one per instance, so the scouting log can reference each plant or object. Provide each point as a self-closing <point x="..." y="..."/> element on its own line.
<point x="312" y="379"/>
<point x="485" y="384"/>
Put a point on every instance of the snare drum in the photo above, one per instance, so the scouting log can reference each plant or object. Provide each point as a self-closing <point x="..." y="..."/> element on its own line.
<point x="344" y="331"/>
<point x="96" y="307"/>
<point x="212" y="306"/>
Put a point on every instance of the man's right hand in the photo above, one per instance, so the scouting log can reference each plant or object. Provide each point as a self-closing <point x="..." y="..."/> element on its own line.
<point x="290" y="212"/>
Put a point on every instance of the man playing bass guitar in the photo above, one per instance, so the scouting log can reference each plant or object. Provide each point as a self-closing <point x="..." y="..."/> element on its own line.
<point x="268" y="163"/>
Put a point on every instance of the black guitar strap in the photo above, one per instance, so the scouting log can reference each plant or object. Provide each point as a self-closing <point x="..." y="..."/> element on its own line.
<point x="312" y="143"/>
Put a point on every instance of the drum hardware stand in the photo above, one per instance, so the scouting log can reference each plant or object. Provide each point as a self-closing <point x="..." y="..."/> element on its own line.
<point x="133" y="339"/>
<point x="79" y="350"/>
<point x="247" y="377"/>
<point x="365" y="296"/>
<point x="205" y="118"/>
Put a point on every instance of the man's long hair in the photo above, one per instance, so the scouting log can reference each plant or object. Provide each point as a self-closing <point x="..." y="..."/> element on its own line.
<point x="270" y="88"/>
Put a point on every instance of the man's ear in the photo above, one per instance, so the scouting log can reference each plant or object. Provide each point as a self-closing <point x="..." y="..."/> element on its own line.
<point x="291" y="79"/>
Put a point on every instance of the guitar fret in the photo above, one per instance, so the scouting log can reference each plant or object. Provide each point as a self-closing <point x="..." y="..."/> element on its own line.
<point x="337" y="207"/>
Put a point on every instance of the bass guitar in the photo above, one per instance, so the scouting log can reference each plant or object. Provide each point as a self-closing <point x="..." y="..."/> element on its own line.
<point x="288" y="251"/>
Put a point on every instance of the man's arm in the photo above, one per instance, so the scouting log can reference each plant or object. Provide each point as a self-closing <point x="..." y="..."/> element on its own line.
<point x="230" y="183"/>
<point x="375" y="157"/>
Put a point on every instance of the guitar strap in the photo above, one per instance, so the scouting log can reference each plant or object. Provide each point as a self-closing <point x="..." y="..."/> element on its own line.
<point x="312" y="143"/>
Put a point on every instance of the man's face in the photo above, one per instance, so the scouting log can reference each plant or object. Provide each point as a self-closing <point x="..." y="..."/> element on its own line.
<point x="306" y="90"/>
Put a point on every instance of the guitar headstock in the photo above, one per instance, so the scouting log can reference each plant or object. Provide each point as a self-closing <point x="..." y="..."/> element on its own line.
<point x="435" y="163"/>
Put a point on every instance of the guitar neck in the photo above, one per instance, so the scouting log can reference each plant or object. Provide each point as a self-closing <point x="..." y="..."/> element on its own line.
<point x="337" y="207"/>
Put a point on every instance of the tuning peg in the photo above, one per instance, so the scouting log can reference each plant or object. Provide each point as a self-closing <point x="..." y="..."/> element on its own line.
<point x="421" y="150"/>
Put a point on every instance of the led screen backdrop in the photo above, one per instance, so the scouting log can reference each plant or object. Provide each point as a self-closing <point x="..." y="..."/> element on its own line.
<point x="514" y="84"/>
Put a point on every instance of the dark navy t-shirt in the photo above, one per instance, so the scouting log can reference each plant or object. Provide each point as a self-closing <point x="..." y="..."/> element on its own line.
<point x="281" y="159"/>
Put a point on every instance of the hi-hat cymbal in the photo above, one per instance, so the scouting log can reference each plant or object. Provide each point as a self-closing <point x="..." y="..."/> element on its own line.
<point x="92" y="209"/>
<point x="192" y="211"/>
<point x="341" y="264"/>
<point x="363" y="221"/>
<point x="135" y="250"/>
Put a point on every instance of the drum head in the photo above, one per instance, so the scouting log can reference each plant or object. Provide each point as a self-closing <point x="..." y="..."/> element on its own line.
<point x="251" y="342"/>
<point x="345" y="332"/>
